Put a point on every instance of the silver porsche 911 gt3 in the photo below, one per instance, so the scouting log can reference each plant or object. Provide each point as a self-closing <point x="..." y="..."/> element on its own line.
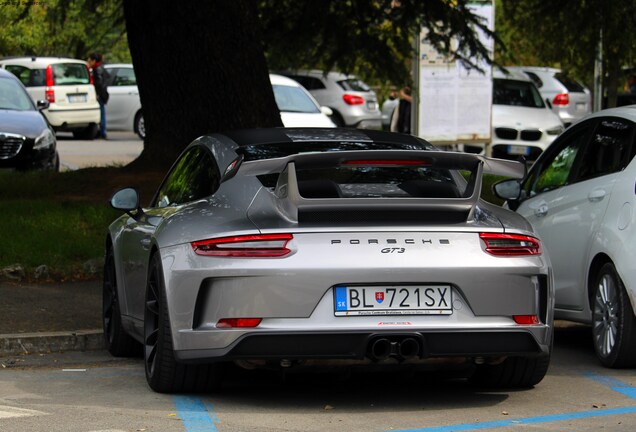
<point x="288" y="247"/>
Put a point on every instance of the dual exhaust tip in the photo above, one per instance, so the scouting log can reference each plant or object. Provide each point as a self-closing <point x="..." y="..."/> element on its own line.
<point x="383" y="348"/>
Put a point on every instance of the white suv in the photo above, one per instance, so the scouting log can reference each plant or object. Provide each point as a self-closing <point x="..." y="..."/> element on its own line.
<point x="68" y="87"/>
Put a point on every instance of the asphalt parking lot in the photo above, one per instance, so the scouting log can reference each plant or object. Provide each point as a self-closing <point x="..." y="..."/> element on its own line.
<point x="119" y="149"/>
<point x="91" y="391"/>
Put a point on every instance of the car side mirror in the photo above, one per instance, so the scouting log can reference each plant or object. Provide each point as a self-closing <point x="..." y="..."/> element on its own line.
<point x="43" y="104"/>
<point x="326" y="111"/>
<point x="508" y="190"/>
<point x="547" y="101"/>
<point x="126" y="200"/>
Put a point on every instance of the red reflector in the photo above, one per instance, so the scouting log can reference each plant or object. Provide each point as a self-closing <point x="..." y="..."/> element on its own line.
<point x="49" y="94"/>
<point x="526" y="319"/>
<point x="510" y="244"/>
<point x="238" y="322"/>
<point x="386" y="162"/>
<point x="257" y="246"/>
<point x="561" y="99"/>
<point x="352" y="99"/>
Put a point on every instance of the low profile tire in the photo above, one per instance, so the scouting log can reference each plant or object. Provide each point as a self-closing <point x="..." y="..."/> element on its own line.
<point x="117" y="341"/>
<point x="163" y="373"/>
<point x="140" y="125"/>
<point x="514" y="372"/>
<point x="613" y="321"/>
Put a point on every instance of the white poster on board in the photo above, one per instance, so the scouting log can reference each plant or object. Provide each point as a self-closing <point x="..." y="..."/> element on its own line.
<point x="454" y="102"/>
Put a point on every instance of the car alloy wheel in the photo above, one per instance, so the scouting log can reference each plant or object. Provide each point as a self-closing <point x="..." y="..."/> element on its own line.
<point x="613" y="321"/>
<point x="118" y="342"/>
<point x="140" y="125"/>
<point x="151" y="324"/>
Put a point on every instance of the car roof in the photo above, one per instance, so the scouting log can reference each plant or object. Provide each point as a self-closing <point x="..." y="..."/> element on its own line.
<point x="119" y="65"/>
<point x="332" y="75"/>
<point x="282" y="80"/>
<point x="546" y="69"/>
<point x="628" y="112"/>
<point x="511" y="75"/>
<point x="288" y="135"/>
<point x="39" y="61"/>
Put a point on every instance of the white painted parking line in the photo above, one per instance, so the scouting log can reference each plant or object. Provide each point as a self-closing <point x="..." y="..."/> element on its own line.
<point x="12" y="412"/>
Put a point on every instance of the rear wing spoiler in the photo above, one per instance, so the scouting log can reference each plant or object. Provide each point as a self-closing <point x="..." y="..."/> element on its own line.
<point x="294" y="206"/>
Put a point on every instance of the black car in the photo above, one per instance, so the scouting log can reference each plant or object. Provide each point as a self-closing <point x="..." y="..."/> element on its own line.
<point x="27" y="141"/>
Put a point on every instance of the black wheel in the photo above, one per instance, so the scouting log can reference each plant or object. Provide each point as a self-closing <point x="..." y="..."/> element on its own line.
<point x="514" y="372"/>
<point x="140" y="125"/>
<point x="163" y="373"/>
<point x="613" y="321"/>
<point x="117" y="341"/>
<point x="88" y="133"/>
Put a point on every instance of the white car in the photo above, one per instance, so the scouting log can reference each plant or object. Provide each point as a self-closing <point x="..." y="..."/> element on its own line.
<point x="522" y="123"/>
<point x="66" y="84"/>
<point x="297" y="107"/>
<point x="579" y="197"/>
<point x="570" y="99"/>
<point x="123" y="110"/>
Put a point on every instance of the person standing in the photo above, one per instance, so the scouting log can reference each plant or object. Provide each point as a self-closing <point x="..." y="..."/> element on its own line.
<point x="100" y="81"/>
<point x="401" y="121"/>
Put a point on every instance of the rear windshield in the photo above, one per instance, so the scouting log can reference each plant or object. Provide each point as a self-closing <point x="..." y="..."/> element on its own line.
<point x="294" y="99"/>
<point x="354" y="85"/>
<point x="516" y="93"/>
<point x="70" y="74"/>
<point x="569" y="83"/>
<point x="277" y="150"/>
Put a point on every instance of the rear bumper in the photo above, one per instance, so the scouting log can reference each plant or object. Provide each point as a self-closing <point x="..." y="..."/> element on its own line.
<point x="356" y="345"/>
<point x="62" y="119"/>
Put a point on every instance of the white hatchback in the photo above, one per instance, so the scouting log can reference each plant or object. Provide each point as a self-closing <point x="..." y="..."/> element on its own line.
<point x="123" y="110"/>
<point x="580" y="198"/>
<point x="68" y="87"/>
<point x="297" y="106"/>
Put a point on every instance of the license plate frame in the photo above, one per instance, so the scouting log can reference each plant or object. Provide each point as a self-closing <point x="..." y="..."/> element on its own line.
<point x="368" y="300"/>
<point x="77" y="98"/>
<point x="519" y="150"/>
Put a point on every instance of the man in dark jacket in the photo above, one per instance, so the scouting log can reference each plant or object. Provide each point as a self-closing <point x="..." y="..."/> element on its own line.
<point x="100" y="81"/>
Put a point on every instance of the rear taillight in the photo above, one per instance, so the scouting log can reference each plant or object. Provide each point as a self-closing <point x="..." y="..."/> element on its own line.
<point x="49" y="93"/>
<point x="352" y="99"/>
<point x="510" y="244"/>
<point x="238" y="322"/>
<point x="561" y="99"/>
<point x="256" y="246"/>
<point x="526" y="319"/>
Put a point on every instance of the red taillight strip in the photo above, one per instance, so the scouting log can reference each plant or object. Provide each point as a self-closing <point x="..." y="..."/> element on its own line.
<point x="238" y="322"/>
<point x="258" y="246"/>
<point x="386" y="162"/>
<point x="510" y="244"/>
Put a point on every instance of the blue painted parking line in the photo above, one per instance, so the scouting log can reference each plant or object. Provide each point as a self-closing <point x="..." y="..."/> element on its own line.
<point x="610" y="382"/>
<point x="197" y="415"/>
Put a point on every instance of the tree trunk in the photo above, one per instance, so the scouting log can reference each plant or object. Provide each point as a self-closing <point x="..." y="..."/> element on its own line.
<point x="200" y="68"/>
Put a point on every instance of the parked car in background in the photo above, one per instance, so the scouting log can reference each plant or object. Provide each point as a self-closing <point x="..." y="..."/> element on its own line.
<point x="579" y="197"/>
<point x="282" y="248"/>
<point x="352" y="101"/>
<point x="570" y="99"/>
<point x="123" y="110"/>
<point x="522" y="122"/>
<point x="26" y="139"/>
<point x="67" y="85"/>
<point x="297" y="107"/>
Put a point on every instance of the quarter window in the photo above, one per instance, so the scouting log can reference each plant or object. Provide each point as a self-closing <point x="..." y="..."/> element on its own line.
<point x="125" y="77"/>
<point x="23" y="74"/>
<point x="194" y="176"/>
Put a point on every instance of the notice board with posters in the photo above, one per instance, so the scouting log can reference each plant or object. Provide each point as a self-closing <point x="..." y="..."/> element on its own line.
<point x="454" y="103"/>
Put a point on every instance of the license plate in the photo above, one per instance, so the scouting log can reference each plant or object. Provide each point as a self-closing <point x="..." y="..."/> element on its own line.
<point x="393" y="300"/>
<point x="372" y="105"/>
<point x="77" y="98"/>
<point x="518" y="150"/>
<point x="580" y="106"/>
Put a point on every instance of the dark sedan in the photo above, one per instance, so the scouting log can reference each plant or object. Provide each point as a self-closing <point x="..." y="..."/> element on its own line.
<point x="27" y="141"/>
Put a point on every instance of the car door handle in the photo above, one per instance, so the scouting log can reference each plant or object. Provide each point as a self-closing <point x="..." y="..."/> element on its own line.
<point x="145" y="243"/>
<point x="596" y="195"/>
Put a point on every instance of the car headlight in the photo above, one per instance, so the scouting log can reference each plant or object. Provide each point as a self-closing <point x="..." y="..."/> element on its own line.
<point x="45" y="140"/>
<point x="555" y="130"/>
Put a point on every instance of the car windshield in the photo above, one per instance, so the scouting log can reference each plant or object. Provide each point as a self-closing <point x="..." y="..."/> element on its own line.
<point x="70" y="74"/>
<point x="516" y="93"/>
<point x="294" y="99"/>
<point x="13" y="97"/>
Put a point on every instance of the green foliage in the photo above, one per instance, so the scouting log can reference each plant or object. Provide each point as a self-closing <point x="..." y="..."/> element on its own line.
<point x="65" y="28"/>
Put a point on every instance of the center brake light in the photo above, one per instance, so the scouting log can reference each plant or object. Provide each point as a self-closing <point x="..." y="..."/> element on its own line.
<point x="510" y="244"/>
<point x="254" y="246"/>
<point x="352" y="99"/>
<point x="386" y="162"/>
